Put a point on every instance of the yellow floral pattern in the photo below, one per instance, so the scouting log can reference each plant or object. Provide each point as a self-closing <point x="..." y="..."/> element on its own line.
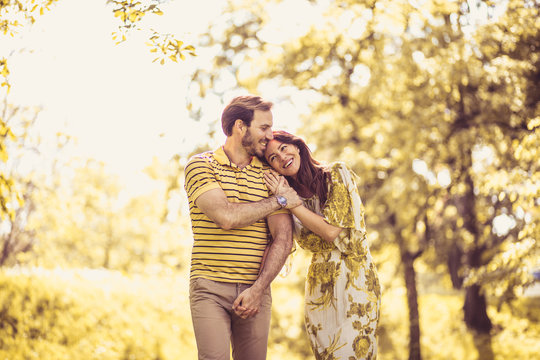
<point x="342" y="287"/>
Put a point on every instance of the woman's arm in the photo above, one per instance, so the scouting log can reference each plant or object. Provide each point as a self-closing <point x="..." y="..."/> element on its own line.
<point x="316" y="223"/>
<point x="309" y="219"/>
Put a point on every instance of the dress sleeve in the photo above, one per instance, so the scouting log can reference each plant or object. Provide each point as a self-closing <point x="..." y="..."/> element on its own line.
<point x="343" y="206"/>
<point x="344" y="209"/>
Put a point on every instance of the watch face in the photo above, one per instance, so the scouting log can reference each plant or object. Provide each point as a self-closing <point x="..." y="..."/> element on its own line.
<point x="281" y="200"/>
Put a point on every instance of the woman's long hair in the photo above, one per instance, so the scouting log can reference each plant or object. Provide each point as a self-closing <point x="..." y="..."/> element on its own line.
<point x="311" y="174"/>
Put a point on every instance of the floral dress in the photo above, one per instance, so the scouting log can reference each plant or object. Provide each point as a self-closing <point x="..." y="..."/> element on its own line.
<point x="343" y="294"/>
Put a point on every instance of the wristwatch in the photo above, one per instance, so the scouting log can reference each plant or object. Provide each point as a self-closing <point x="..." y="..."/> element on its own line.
<point x="281" y="200"/>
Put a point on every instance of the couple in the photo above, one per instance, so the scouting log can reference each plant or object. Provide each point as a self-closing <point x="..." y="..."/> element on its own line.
<point x="241" y="198"/>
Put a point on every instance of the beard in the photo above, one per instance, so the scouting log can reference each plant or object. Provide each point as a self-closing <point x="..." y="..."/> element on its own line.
<point x="249" y="144"/>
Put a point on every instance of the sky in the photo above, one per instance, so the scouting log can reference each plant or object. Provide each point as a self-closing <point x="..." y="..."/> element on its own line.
<point x="117" y="105"/>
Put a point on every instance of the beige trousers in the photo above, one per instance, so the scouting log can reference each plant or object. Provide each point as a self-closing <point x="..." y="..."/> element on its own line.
<point x="217" y="327"/>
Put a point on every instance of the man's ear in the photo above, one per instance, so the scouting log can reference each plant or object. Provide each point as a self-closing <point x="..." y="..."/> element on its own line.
<point x="240" y="126"/>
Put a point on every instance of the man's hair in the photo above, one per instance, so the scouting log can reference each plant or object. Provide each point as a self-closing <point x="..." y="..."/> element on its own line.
<point x="243" y="108"/>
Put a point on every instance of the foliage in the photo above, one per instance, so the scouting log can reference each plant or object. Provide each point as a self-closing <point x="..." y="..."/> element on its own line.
<point x="17" y="196"/>
<point x="16" y="14"/>
<point x="434" y="104"/>
<point x="98" y="314"/>
<point x="93" y="314"/>
<point x="86" y="220"/>
<point x="131" y="13"/>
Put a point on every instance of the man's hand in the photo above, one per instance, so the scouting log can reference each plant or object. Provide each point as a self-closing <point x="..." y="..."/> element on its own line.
<point x="247" y="303"/>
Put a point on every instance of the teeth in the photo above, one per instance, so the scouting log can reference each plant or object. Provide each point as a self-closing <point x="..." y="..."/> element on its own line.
<point x="288" y="163"/>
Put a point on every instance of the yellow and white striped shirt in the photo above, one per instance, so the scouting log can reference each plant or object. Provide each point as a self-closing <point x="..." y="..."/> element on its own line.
<point x="226" y="255"/>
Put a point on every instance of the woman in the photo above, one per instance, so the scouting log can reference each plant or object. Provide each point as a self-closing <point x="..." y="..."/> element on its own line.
<point x="342" y="287"/>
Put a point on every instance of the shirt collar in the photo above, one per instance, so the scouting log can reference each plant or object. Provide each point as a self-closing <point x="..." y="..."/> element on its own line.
<point x="222" y="158"/>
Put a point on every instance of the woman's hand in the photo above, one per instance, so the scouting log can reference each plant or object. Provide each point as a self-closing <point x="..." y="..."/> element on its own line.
<point x="275" y="182"/>
<point x="278" y="185"/>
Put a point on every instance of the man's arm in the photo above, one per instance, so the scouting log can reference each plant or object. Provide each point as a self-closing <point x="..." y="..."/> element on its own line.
<point x="248" y="302"/>
<point x="228" y="215"/>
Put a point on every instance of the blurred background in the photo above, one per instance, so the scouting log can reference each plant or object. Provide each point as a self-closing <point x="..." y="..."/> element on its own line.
<point x="435" y="104"/>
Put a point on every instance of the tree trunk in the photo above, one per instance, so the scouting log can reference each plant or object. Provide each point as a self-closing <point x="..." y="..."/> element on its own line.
<point x="455" y="263"/>
<point x="407" y="259"/>
<point x="475" y="306"/>
<point x="476" y="316"/>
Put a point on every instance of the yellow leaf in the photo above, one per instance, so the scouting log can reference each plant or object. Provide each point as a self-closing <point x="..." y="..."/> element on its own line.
<point x="533" y="123"/>
<point x="133" y="17"/>
<point x="162" y="61"/>
<point x="159" y="12"/>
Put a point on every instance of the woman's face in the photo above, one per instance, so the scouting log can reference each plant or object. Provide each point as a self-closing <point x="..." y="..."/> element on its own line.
<point x="284" y="158"/>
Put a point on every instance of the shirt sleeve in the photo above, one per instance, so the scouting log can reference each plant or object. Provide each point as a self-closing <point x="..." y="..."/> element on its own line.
<point x="199" y="177"/>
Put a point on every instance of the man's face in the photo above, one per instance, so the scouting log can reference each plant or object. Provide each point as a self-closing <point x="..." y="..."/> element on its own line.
<point x="259" y="133"/>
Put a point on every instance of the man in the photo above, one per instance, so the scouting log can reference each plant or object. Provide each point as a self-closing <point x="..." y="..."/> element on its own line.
<point x="231" y="214"/>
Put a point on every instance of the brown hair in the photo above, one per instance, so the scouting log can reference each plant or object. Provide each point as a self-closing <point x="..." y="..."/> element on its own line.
<point x="243" y="108"/>
<point x="311" y="173"/>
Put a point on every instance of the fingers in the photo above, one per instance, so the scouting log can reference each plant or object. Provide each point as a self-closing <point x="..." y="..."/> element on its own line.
<point x="271" y="177"/>
<point x="245" y="313"/>
<point x="238" y="307"/>
<point x="245" y="306"/>
<point x="271" y="182"/>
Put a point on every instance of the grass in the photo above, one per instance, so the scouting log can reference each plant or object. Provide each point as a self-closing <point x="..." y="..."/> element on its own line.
<point x="97" y="314"/>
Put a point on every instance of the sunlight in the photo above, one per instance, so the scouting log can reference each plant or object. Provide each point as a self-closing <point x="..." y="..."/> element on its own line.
<point x="420" y="167"/>
<point x="502" y="224"/>
<point x="119" y="107"/>
<point x="443" y="178"/>
<point x="284" y="22"/>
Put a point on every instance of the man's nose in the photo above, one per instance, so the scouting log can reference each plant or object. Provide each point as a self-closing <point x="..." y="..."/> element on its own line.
<point x="269" y="134"/>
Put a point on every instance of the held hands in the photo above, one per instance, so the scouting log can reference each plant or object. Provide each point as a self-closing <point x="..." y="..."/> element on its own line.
<point x="247" y="303"/>
<point x="278" y="185"/>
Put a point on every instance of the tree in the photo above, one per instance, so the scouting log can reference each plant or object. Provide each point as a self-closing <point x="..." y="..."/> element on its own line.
<point x="413" y="96"/>
<point x="16" y="14"/>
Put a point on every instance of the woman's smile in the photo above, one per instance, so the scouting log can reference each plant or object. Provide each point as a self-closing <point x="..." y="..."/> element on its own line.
<point x="284" y="158"/>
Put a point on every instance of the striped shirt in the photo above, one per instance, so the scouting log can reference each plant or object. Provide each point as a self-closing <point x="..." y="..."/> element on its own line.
<point x="226" y="255"/>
